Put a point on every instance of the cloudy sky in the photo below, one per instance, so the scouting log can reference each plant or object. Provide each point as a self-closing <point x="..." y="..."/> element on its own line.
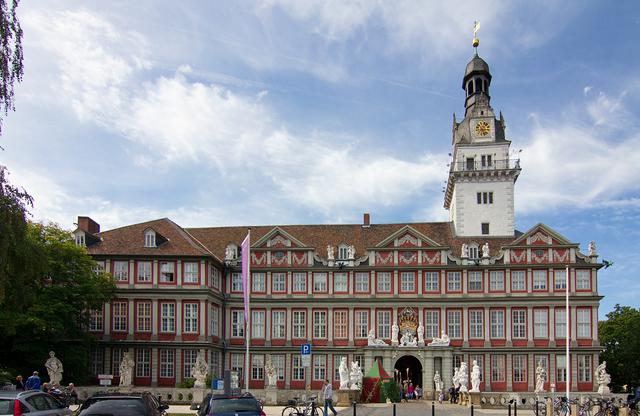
<point x="305" y="111"/>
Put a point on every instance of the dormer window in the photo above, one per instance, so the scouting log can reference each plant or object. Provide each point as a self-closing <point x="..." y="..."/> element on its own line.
<point x="80" y="240"/>
<point x="150" y="238"/>
<point x="231" y="252"/>
<point x="343" y="252"/>
<point x="473" y="251"/>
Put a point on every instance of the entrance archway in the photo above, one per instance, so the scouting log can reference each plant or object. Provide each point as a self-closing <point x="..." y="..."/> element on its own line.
<point x="408" y="368"/>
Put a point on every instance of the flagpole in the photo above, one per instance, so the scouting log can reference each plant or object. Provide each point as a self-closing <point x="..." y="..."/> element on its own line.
<point x="247" y="320"/>
<point x="566" y="308"/>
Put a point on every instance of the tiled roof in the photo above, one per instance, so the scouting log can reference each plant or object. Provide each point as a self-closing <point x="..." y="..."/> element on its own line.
<point x="319" y="236"/>
<point x="129" y="240"/>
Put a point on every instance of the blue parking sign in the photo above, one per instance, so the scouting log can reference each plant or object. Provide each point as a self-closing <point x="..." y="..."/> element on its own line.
<point x="305" y="349"/>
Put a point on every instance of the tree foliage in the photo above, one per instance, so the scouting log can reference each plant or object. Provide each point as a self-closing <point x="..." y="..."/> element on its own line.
<point x="11" y="55"/>
<point x="620" y="336"/>
<point x="48" y="285"/>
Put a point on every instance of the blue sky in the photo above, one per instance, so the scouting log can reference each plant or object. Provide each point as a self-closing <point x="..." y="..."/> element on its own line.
<point x="303" y="111"/>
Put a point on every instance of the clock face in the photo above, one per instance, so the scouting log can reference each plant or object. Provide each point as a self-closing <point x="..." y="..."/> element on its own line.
<point x="483" y="128"/>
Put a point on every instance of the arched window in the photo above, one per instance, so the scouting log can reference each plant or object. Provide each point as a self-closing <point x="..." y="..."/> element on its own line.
<point x="149" y="238"/>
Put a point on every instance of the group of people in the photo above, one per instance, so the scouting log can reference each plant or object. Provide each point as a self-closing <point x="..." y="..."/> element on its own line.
<point x="408" y="391"/>
<point x="34" y="383"/>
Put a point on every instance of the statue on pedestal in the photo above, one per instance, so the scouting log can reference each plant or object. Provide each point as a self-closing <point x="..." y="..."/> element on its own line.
<point x="485" y="250"/>
<point x="592" y="248"/>
<point x="464" y="251"/>
<point x="408" y="340"/>
<point x="421" y="334"/>
<point x="126" y="370"/>
<point x="54" y="368"/>
<point x="475" y="378"/>
<point x="394" y="334"/>
<point x="603" y="378"/>
<point x="454" y="379"/>
<point x="271" y="373"/>
<point x="437" y="381"/>
<point x="343" y="370"/>
<point x="351" y="252"/>
<point x="541" y="378"/>
<point x="463" y="377"/>
<point x="356" y="376"/>
<point x="373" y="341"/>
<point x="200" y="370"/>
<point x="329" y="252"/>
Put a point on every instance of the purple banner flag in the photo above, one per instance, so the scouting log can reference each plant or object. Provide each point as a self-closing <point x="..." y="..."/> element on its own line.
<point x="246" y="243"/>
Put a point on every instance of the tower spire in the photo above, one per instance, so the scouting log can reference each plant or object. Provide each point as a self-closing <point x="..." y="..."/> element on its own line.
<point x="476" y="41"/>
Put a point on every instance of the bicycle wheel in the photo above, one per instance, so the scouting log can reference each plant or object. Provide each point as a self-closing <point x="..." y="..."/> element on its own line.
<point x="317" y="411"/>
<point x="290" y="411"/>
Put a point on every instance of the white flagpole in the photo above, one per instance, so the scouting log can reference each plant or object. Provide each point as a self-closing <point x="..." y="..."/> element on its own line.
<point x="568" y="357"/>
<point x="246" y="331"/>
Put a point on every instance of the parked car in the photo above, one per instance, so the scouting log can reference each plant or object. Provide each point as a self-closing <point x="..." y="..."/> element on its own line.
<point x="221" y="405"/>
<point x="31" y="402"/>
<point x="122" y="404"/>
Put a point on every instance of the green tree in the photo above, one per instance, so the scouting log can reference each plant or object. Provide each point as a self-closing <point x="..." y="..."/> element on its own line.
<point x="48" y="286"/>
<point x="619" y="335"/>
<point x="11" y="55"/>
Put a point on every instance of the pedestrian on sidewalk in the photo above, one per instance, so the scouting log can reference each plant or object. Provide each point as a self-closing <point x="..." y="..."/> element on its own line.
<point x="327" y="395"/>
<point x="33" y="382"/>
<point x="19" y="384"/>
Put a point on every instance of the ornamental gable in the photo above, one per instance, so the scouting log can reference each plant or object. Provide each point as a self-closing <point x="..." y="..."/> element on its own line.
<point x="541" y="235"/>
<point x="407" y="236"/>
<point x="277" y="238"/>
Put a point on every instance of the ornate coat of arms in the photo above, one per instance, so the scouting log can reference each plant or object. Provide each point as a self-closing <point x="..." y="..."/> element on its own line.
<point x="408" y="321"/>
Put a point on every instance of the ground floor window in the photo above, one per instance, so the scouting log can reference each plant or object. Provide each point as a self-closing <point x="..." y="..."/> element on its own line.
<point x="143" y="362"/>
<point x="167" y="363"/>
<point x="297" y="372"/>
<point x="584" y="368"/>
<point x="189" y="361"/>
<point x="519" y="368"/>
<point x="257" y="367"/>
<point x="320" y="367"/>
<point x="498" y="368"/>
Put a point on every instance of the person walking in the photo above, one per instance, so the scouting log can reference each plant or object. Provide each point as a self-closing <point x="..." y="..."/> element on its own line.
<point x="33" y="382"/>
<point x="19" y="384"/>
<point x="327" y="395"/>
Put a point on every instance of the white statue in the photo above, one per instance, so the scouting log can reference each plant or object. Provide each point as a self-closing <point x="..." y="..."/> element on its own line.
<point x="235" y="380"/>
<point x="228" y="253"/>
<point x="463" y="377"/>
<point x="343" y="370"/>
<point x="541" y="378"/>
<point x="485" y="250"/>
<point x="454" y="379"/>
<point x="373" y="341"/>
<point x="270" y="371"/>
<point x="200" y="370"/>
<point x="465" y="250"/>
<point x="603" y="378"/>
<point x="408" y="340"/>
<point x="592" y="248"/>
<point x="421" y="334"/>
<point x="351" y="252"/>
<point x="355" y="376"/>
<point x="475" y="378"/>
<point x="438" y="382"/>
<point x="126" y="370"/>
<point x="54" y="368"/>
<point x="329" y="252"/>
<point x="443" y="341"/>
<point x="394" y="333"/>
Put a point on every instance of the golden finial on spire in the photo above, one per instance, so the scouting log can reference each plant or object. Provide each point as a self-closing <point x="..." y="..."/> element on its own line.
<point x="476" y="27"/>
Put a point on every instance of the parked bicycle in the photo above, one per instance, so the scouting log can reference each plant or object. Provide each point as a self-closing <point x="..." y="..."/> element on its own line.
<point x="307" y="408"/>
<point x="606" y="407"/>
<point x="561" y="406"/>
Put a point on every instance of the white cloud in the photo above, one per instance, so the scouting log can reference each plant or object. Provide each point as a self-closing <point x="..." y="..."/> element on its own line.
<point x="607" y="111"/>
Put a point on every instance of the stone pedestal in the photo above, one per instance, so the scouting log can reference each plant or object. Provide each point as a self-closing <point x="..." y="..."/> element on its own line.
<point x="474" y="399"/>
<point x="346" y="397"/>
<point x="271" y="395"/>
<point x="549" y="406"/>
<point x="198" y="396"/>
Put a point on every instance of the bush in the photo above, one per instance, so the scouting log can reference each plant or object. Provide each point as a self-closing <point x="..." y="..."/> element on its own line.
<point x="389" y="390"/>
<point x="187" y="383"/>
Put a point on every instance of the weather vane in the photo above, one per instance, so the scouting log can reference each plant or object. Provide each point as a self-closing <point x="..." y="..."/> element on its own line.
<point x="476" y="41"/>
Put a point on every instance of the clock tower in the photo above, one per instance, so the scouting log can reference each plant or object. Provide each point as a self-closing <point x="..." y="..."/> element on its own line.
<point x="479" y="193"/>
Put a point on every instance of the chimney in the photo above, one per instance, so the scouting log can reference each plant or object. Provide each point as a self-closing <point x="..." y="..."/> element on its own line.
<point x="366" y="220"/>
<point x="88" y="225"/>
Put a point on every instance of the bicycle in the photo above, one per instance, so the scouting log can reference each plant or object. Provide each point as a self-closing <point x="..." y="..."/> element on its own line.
<point x="540" y="407"/>
<point x="606" y="407"/>
<point x="561" y="407"/>
<point x="310" y="408"/>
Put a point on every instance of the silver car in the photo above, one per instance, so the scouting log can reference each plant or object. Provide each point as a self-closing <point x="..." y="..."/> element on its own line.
<point x="31" y="403"/>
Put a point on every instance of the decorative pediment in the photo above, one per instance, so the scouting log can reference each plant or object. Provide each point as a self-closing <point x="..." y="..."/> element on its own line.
<point x="407" y="236"/>
<point x="540" y="234"/>
<point x="278" y="238"/>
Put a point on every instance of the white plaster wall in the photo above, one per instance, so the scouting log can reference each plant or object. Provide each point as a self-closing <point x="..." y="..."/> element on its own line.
<point x="468" y="215"/>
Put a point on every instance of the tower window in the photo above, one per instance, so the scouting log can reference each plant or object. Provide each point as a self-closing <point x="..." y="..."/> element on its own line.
<point x="486" y="161"/>
<point x="485" y="228"/>
<point x="470" y="163"/>
<point x="484" y="197"/>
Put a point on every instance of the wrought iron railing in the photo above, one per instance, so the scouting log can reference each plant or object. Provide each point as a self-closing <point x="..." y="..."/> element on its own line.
<point x="485" y="165"/>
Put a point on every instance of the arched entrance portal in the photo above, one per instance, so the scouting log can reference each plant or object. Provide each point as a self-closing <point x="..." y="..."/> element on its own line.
<point x="408" y="368"/>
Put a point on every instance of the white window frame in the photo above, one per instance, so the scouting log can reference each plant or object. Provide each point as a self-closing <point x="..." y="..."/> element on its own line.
<point x="476" y="324"/>
<point x="319" y="367"/>
<point x="454" y="281"/>
<point x="362" y="282"/>
<point x="191" y="272"/>
<point x="340" y="282"/>
<point x="431" y="281"/>
<point x="121" y="270"/>
<point x="585" y="368"/>
<point x="257" y="367"/>
<point x="258" y="324"/>
<point x="431" y="323"/>
<point x="297" y="370"/>
<point x="258" y="282"/>
<point x="143" y="315"/>
<point x="167" y="317"/>
<point x="190" y="319"/>
<point x="518" y="323"/>
<point x="519" y="362"/>
<point x="299" y="324"/>
<point x="320" y="281"/>
<point x="144" y="271"/>
<point x="583" y="279"/>
<point x="383" y="284"/>
<point x="496" y="317"/>
<point x="496" y="281"/>
<point x="540" y="280"/>
<point x="559" y="279"/>
<point x="407" y="282"/>
<point x="561" y="368"/>
<point x="189" y="360"/>
<point x="340" y="324"/>
<point x="560" y="323"/>
<point x="583" y="323"/>
<point x="454" y="323"/>
<point x="237" y="323"/>
<point x="278" y="282"/>
<point x="120" y="319"/>
<point x="474" y="281"/>
<point x="167" y="363"/>
<point x="540" y="323"/>
<point x="361" y="320"/>
<point x="498" y="368"/>
<point x="518" y="280"/>
<point x="299" y="282"/>
<point x="166" y="275"/>
<point x="143" y="362"/>
<point x="236" y="282"/>
<point x="278" y="324"/>
<point x="383" y="323"/>
<point x="150" y="238"/>
<point x="96" y="320"/>
<point x="320" y="324"/>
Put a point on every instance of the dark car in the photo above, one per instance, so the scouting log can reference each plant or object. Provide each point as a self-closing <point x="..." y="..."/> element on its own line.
<point x="31" y="402"/>
<point x="122" y="404"/>
<point x="221" y="405"/>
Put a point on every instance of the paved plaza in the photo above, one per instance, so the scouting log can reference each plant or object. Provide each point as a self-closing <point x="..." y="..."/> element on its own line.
<point x="420" y="408"/>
